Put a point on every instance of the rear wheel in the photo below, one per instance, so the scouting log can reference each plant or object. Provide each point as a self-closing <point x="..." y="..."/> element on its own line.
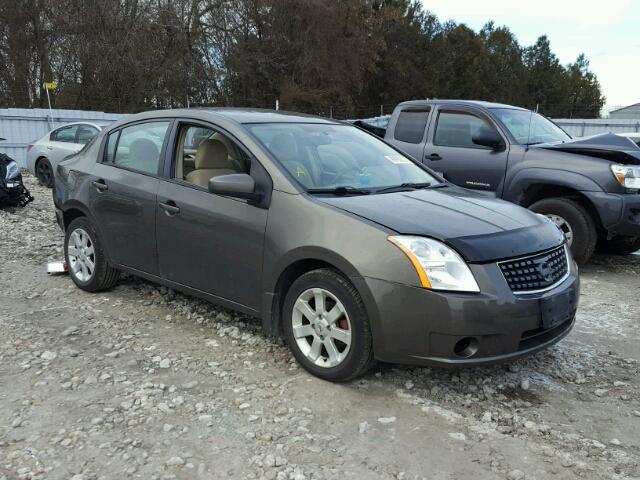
<point x="326" y="326"/>
<point x="87" y="264"/>
<point x="575" y="222"/>
<point x="620" y="245"/>
<point x="44" y="172"/>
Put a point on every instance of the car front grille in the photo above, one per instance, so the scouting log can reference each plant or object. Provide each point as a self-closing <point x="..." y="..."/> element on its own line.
<point x="537" y="272"/>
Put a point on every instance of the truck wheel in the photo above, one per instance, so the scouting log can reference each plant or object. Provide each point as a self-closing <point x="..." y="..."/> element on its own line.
<point x="576" y="223"/>
<point x="326" y="326"/>
<point x="620" y="245"/>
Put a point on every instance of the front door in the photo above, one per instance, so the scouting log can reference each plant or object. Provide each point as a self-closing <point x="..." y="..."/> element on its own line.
<point x="451" y="151"/>
<point x="124" y="190"/>
<point x="206" y="241"/>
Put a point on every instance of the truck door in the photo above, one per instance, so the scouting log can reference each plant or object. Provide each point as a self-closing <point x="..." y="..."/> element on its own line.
<point x="452" y="152"/>
<point x="409" y="130"/>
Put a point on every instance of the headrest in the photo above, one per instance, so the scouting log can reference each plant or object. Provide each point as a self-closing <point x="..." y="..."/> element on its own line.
<point x="212" y="154"/>
<point x="284" y="147"/>
<point x="143" y="149"/>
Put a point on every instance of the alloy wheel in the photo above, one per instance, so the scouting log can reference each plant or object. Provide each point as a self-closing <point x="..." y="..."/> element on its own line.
<point x="563" y="225"/>
<point x="81" y="255"/>
<point x="321" y="327"/>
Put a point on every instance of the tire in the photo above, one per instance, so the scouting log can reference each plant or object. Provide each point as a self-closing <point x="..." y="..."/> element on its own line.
<point x="582" y="227"/>
<point x="102" y="276"/>
<point x="354" y="358"/>
<point x="44" y="172"/>
<point x="620" y="245"/>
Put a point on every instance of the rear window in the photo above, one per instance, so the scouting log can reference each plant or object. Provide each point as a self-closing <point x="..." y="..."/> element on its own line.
<point x="64" y="134"/>
<point x="411" y="125"/>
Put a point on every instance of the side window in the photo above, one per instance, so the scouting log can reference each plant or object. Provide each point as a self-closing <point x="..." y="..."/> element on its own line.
<point x="64" y="134"/>
<point x="138" y="147"/>
<point x="456" y="129"/>
<point x="411" y="125"/>
<point x="85" y="133"/>
<point x="203" y="153"/>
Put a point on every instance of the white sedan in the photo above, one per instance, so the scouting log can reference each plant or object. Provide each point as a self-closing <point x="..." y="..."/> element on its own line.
<point x="44" y="155"/>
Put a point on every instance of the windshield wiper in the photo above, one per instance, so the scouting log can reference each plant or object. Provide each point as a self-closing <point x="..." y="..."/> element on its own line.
<point x="406" y="186"/>
<point x="346" y="190"/>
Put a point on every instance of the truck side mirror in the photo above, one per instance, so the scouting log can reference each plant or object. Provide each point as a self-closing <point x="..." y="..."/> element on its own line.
<point x="488" y="137"/>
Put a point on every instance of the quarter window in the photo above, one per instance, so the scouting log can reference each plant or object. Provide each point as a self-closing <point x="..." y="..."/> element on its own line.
<point x="137" y="147"/>
<point x="64" y="134"/>
<point x="456" y="129"/>
<point x="411" y="124"/>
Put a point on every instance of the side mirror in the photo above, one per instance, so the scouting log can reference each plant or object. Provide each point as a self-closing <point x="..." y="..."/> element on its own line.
<point x="239" y="185"/>
<point x="488" y="137"/>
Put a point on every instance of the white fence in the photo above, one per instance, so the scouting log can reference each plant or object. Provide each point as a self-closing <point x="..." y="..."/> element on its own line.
<point x="577" y="127"/>
<point x="22" y="126"/>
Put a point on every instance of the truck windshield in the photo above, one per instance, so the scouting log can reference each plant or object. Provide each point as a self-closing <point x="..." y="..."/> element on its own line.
<point x="326" y="157"/>
<point x="529" y="128"/>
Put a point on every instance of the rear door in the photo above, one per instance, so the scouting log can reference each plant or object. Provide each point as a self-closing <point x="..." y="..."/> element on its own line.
<point x="450" y="150"/>
<point x="62" y="143"/>
<point x="124" y="192"/>
<point x="409" y="130"/>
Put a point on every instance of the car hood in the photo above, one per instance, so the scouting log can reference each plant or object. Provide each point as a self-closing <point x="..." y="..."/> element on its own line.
<point x="480" y="228"/>
<point x="607" y="146"/>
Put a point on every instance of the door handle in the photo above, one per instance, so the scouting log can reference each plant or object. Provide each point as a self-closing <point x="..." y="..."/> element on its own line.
<point x="170" y="208"/>
<point x="434" y="156"/>
<point x="49" y="147"/>
<point x="100" y="185"/>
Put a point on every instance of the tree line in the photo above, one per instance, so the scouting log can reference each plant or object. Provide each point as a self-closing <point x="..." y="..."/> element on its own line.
<point x="344" y="58"/>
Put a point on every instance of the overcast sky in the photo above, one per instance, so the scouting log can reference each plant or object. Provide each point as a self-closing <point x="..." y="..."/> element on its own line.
<point x="607" y="31"/>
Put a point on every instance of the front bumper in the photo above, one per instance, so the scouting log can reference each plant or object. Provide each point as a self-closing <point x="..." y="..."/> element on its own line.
<point x="619" y="214"/>
<point x="423" y="327"/>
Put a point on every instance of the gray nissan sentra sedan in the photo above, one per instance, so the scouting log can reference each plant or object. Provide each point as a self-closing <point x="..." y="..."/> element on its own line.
<point x="347" y="247"/>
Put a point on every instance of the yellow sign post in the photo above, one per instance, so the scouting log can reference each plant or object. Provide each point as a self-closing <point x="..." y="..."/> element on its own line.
<point x="49" y="86"/>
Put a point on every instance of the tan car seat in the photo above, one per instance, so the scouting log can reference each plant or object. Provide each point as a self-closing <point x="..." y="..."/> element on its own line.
<point x="212" y="160"/>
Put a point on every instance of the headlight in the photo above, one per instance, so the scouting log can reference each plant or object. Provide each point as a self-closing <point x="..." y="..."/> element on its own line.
<point x="438" y="266"/>
<point x="12" y="171"/>
<point x="628" y="176"/>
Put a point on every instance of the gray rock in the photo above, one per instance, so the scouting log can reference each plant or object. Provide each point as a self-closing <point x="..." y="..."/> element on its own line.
<point x="386" y="420"/>
<point x="515" y="475"/>
<point x="175" y="461"/>
<point x="48" y="355"/>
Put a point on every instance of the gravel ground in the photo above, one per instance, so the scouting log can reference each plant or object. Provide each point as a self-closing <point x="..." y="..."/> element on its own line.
<point x="144" y="382"/>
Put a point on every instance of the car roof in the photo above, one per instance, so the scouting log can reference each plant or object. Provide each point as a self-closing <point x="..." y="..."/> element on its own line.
<point x="71" y="124"/>
<point x="473" y="103"/>
<point x="237" y="115"/>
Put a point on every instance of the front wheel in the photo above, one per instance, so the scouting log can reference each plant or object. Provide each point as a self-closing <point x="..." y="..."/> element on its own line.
<point x="326" y="326"/>
<point x="620" y="245"/>
<point x="575" y="222"/>
<point x="87" y="264"/>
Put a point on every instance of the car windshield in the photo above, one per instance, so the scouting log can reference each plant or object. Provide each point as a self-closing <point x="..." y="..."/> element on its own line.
<point x="529" y="128"/>
<point x="325" y="157"/>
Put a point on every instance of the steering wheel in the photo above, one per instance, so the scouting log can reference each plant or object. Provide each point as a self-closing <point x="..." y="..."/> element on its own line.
<point x="349" y="176"/>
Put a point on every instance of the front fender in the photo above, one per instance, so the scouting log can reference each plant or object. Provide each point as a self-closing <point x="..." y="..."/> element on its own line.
<point x="526" y="177"/>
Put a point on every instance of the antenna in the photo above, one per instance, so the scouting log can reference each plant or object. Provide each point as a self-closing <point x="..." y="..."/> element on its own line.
<point x="529" y="132"/>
